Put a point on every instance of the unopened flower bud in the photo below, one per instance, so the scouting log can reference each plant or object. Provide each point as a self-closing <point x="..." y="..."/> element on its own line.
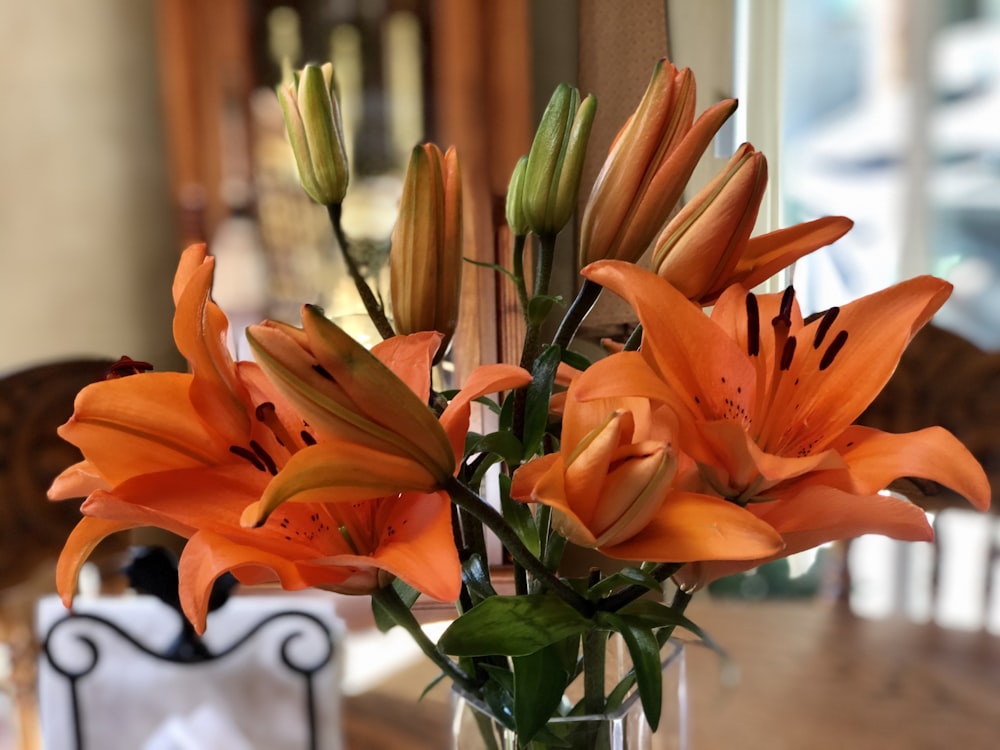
<point x="699" y="249"/>
<point x="315" y="130"/>
<point x="516" y="219"/>
<point x="555" y="162"/>
<point x="648" y="167"/>
<point x="425" y="260"/>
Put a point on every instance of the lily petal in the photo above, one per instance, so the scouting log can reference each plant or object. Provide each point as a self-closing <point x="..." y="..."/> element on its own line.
<point x="207" y="556"/>
<point x="410" y="358"/>
<point x="140" y="424"/>
<point x="690" y="526"/>
<point x="878" y="458"/>
<point x="769" y="253"/>
<point x="484" y="379"/>
<point x="417" y="545"/>
<point x="200" y="331"/>
<point x="710" y="372"/>
<point x="82" y="541"/>
<point x="856" y="369"/>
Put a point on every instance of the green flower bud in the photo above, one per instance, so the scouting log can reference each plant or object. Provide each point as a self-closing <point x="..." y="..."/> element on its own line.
<point x="555" y="162"/>
<point x="315" y="129"/>
<point x="516" y="219"/>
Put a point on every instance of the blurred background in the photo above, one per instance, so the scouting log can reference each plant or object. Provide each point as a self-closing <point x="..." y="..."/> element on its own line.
<point x="133" y="127"/>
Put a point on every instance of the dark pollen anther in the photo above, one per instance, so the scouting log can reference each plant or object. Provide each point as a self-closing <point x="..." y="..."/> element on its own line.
<point x="322" y="372"/>
<point x="753" y="325"/>
<point x="824" y="326"/>
<point x="833" y="350"/>
<point x="262" y="454"/>
<point x="787" y="353"/>
<point x="248" y="455"/>
<point x="785" y="313"/>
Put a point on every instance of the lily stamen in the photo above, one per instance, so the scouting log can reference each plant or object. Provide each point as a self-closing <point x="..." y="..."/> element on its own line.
<point x="250" y="456"/>
<point x="267" y="414"/>
<point x="825" y="323"/>
<point x="265" y="457"/>
<point x="753" y="325"/>
<point x="831" y="352"/>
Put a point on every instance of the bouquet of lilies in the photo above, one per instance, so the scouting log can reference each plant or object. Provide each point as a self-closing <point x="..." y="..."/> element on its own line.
<point x="704" y="445"/>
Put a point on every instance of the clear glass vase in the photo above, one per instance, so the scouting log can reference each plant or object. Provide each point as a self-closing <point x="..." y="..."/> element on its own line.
<point x="474" y="727"/>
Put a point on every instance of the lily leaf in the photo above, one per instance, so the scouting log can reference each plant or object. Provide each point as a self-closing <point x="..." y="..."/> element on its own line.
<point x="539" y="682"/>
<point x="655" y="615"/>
<point x="492" y="267"/>
<point x="539" y="307"/>
<point x="503" y="444"/>
<point x="383" y="620"/>
<point x="537" y="399"/>
<point x="645" y="652"/>
<point x="476" y="577"/>
<point x="489" y="403"/>
<point x="575" y="359"/>
<point x="625" y="577"/>
<point x="512" y="626"/>
<point x="519" y="516"/>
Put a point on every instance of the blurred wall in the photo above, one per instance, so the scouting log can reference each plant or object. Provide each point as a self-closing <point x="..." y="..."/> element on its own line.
<point x="87" y="245"/>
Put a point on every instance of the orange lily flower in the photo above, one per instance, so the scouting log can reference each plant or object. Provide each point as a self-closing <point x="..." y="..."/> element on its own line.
<point x="765" y="405"/>
<point x="706" y="247"/>
<point x="610" y="488"/>
<point x="648" y="167"/>
<point x="188" y="452"/>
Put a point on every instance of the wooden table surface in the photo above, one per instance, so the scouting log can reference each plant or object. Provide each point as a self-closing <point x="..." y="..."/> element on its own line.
<point x="811" y="676"/>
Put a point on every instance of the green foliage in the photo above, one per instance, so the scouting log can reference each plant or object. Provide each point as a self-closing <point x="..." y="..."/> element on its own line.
<point x="476" y="577"/>
<point x="537" y="398"/>
<point x="539" y="683"/>
<point x="383" y="620"/>
<point x="624" y="577"/>
<point x="512" y="626"/>
<point x="519" y="516"/>
<point x="644" y="649"/>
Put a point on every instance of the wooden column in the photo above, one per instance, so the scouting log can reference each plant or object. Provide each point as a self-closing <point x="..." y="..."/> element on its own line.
<point x="481" y="99"/>
<point x="206" y="75"/>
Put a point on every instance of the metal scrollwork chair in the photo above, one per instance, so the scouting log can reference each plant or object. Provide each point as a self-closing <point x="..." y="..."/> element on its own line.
<point x="33" y="402"/>
<point x="112" y="676"/>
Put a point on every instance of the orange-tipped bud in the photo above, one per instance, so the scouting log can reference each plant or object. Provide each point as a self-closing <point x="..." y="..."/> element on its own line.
<point x="426" y="257"/>
<point x="648" y="167"/>
<point x="700" y="247"/>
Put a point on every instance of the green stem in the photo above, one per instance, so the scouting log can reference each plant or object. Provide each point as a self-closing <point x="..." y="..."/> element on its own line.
<point x="486" y="514"/>
<point x="389" y="599"/>
<point x="582" y="305"/>
<point x="543" y="266"/>
<point x="372" y="305"/>
<point x="595" y="645"/>
<point x="518" y="270"/>
<point x="533" y="328"/>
